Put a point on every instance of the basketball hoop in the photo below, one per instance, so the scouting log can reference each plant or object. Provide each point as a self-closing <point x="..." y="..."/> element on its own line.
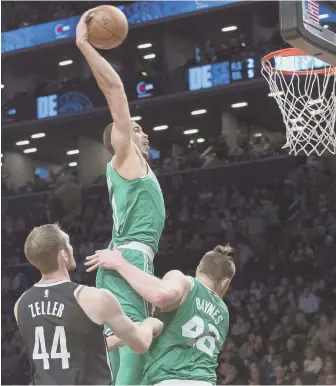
<point x="306" y="97"/>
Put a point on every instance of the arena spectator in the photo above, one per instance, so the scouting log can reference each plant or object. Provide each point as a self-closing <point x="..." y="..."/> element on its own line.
<point x="308" y="302"/>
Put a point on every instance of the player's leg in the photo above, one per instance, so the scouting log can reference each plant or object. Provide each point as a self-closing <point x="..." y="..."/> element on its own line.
<point x="135" y="307"/>
<point x="131" y="367"/>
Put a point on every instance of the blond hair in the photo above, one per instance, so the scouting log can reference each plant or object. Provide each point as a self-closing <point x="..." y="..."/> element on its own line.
<point x="43" y="245"/>
<point x="218" y="263"/>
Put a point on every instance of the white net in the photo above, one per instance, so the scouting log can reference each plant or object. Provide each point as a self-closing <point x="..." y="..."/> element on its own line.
<point x="307" y="101"/>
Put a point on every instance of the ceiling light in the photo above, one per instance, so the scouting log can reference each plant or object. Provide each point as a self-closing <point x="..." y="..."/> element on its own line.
<point x="274" y="94"/>
<point x="149" y="56"/>
<point x="32" y="150"/>
<point x="72" y="152"/>
<point x="229" y="28"/>
<point x="22" y="143"/>
<point x="72" y="164"/>
<point x="38" y="135"/>
<point x="136" y="118"/>
<point x="191" y="141"/>
<point x="258" y="135"/>
<point x="160" y="128"/>
<point x="198" y="112"/>
<point x="324" y="16"/>
<point x="200" y="140"/>
<point x="65" y="62"/>
<point x="240" y="104"/>
<point x="144" y="45"/>
<point x="190" y="131"/>
<point x="2" y="86"/>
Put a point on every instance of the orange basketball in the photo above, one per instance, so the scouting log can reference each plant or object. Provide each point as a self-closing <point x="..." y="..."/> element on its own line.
<point x="108" y="28"/>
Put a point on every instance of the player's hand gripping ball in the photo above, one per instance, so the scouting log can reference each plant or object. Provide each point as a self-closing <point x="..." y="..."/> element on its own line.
<point x="104" y="27"/>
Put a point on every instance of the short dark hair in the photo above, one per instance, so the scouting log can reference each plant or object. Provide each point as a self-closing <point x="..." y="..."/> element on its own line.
<point x="107" y="138"/>
<point x="218" y="264"/>
<point x="43" y="245"/>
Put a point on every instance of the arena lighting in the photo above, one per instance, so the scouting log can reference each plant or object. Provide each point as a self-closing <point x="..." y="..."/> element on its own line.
<point x="72" y="164"/>
<point x="240" y="104"/>
<point x="144" y="45"/>
<point x="200" y="140"/>
<point x="190" y="131"/>
<point x="229" y="28"/>
<point x="324" y="16"/>
<point x="65" y="62"/>
<point x="149" y="56"/>
<point x="198" y="112"/>
<point x="273" y="94"/>
<point x="37" y="135"/>
<point x="137" y="118"/>
<point x="22" y="143"/>
<point x="72" y="152"/>
<point x="160" y="128"/>
<point x="32" y="150"/>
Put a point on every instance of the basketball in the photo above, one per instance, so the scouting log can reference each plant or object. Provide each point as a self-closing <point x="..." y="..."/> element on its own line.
<point x="108" y="27"/>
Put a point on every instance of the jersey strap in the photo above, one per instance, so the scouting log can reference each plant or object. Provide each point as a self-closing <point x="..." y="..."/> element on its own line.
<point x="78" y="290"/>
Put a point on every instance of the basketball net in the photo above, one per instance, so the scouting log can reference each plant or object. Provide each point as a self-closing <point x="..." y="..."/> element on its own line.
<point x="306" y="97"/>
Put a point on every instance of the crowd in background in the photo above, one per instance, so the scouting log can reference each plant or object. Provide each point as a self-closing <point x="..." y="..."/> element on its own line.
<point x="218" y="153"/>
<point x="281" y="302"/>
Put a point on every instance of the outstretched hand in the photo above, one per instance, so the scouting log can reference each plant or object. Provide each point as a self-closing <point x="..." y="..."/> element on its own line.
<point x="106" y="258"/>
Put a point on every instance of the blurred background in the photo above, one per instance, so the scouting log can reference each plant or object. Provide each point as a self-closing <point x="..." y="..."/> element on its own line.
<point x="192" y="75"/>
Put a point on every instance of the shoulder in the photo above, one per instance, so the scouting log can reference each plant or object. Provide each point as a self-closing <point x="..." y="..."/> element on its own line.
<point x="98" y="297"/>
<point x="91" y="293"/>
<point x="97" y="303"/>
<point x="16" y="305"/>
<point x="178" y="276"/>
<point x="175" y="274"/>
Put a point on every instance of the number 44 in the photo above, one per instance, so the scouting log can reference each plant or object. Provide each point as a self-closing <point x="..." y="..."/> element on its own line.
<point x="59" y="340"/>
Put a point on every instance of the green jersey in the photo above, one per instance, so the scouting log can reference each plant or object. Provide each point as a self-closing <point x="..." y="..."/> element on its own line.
<point x="191" y="340"/>
<point x="138" y="208"/>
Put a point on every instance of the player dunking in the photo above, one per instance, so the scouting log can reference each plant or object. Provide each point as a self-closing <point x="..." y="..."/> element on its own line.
<point x="196" y="320"/>
<point x="135" y="197"/>
<point x="61" y="322"/>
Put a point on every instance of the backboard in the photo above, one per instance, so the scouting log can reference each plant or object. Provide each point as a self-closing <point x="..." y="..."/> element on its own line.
<point x="304" y="25"/>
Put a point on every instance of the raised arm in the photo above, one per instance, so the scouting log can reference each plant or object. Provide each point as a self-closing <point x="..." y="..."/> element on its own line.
<point x="103" y="308"/>
<point x="112" y="87"/>
<point x="170" y="291"/>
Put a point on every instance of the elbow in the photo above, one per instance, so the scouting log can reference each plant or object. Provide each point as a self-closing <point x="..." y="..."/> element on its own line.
<point x="111" y="86"/>
<point x="141" y="348"/>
